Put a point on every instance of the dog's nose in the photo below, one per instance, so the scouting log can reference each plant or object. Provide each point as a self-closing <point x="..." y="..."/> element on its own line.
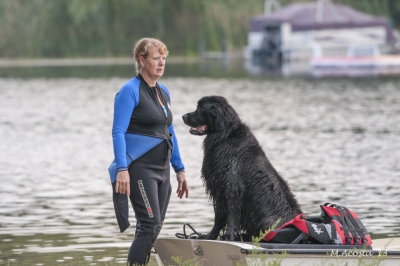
<point x="184" y="117"/>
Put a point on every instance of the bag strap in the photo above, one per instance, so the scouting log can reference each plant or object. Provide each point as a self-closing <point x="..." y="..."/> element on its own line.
<point x="349" y="224"/>
<point x="302" y="236"/>
<point x="356" y="227"/>
<point x="345" y="227"/>
<point x="333" y="233"/>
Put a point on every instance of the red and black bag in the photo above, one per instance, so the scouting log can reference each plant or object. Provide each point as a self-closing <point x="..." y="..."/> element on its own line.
<point x="336" y="225"/>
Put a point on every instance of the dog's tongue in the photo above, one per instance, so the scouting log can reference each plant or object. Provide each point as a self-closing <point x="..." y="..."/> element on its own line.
<point x="197" y="130"/>
<point x="194" y="130"/>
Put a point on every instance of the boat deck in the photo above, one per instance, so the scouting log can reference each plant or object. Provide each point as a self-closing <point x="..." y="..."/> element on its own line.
<point x="211" y="252"/>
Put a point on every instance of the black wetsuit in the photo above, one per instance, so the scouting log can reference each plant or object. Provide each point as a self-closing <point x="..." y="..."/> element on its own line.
<point x="150" y="173"/>
<point x="150" y="194"/>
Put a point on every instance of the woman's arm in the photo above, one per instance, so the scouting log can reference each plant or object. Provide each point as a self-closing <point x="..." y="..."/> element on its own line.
<point x="176" y="160"/>
<point x="125" y="101"/>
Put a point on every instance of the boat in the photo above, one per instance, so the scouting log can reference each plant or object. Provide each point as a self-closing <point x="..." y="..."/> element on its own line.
<point x="360" y="59"/>
<point x="358" y="56"/>
<point x="175" y="251"/>
<point x="290" y="33"/>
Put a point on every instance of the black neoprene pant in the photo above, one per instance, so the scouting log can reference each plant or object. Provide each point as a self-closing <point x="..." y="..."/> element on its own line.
<point x="150" y="194"/>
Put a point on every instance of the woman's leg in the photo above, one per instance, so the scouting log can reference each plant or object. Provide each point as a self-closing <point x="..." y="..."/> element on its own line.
<point x="144" y="198"/>
<point x="164" y="194"/>
<point x="150" y="193"/>
<point x="164" y="189"/>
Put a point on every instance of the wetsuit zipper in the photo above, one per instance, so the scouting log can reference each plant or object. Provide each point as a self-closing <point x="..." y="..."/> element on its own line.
<point x="159" y="96"/>
<point x="165" y="113"/>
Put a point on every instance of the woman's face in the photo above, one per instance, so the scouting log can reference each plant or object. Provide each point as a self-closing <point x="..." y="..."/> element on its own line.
<point x="153" y="65"/>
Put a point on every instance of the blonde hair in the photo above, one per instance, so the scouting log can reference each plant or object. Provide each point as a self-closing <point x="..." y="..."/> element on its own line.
<point x="142" y="48"/>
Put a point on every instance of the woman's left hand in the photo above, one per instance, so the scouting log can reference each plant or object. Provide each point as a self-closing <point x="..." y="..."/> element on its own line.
<point x="182" y="185"/>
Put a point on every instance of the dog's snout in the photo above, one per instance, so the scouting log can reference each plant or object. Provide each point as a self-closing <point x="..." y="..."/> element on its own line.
<point x="187" y="119"/>
<point x="184" y="117"/>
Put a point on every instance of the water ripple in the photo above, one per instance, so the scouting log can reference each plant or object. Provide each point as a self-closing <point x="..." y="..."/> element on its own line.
<point x="333" y="140"/>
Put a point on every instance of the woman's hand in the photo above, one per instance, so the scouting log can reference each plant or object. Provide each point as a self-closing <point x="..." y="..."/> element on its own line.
<point x="122" y="184"/>
<point x="182" y="185"/>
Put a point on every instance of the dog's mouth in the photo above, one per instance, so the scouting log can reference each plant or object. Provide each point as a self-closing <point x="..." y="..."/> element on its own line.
<point x="200" y="130"/>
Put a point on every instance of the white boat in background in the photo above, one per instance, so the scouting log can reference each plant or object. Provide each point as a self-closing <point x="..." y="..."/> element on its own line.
<point x="284" y="38"/>
<point x="289" y="33"/>
<point x="358" y="56"/>
<point x="360" y="60"/>
<point x="212" y="252"/>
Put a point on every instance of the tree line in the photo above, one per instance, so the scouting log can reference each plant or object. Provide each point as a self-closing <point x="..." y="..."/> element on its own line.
<point x="105" y="28"/>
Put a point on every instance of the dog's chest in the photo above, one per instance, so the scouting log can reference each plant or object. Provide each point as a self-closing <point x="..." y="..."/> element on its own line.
<point x="219" y="167"/>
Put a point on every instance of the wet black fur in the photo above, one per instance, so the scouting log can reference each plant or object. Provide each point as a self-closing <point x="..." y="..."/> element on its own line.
<point x="247" y="192"/>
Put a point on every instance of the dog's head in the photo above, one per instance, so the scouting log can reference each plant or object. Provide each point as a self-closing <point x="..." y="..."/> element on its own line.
<point x="213" y="114"/>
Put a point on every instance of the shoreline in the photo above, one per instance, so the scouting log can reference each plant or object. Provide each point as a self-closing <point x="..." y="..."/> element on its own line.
<point x="45" y="62"/>
<point x="91" y="61"/>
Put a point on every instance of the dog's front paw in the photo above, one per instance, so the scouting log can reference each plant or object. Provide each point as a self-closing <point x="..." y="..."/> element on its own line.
<point x="226" y="237"/>
<point x="209" y="236"/>
<point x="230" y="237"/>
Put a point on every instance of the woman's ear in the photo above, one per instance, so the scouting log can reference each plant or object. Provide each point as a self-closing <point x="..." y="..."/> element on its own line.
<point x="141" y="61"/>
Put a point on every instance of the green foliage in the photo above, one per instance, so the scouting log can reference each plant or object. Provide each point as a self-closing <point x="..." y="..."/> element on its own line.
<point x="75" y="28"/>
<point x="179" y="261"/>
<point x="263" y="233"/>
<point x="266" y="259"/>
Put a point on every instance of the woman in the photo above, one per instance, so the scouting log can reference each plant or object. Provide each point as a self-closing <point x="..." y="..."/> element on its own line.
<point x="144" y="145"/>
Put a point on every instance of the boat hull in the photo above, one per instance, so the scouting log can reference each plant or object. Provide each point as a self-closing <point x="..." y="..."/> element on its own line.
<point x="210" y="252"/>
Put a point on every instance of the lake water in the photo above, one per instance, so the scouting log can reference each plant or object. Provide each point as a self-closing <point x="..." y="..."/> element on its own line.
<point x="333" y="140"/>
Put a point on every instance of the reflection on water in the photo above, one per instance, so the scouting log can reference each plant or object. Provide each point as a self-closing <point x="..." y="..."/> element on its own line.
<point x="333" y="140"/>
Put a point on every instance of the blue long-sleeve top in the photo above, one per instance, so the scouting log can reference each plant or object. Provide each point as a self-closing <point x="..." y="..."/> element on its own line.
<point x="128" y="146"/>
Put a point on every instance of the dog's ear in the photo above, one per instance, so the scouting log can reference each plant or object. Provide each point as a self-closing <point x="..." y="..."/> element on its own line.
<point x="211" y="117"/>
<point x="223" y="117"/>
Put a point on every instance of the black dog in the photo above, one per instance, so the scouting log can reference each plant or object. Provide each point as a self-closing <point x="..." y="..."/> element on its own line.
<point x="247" y="192"/>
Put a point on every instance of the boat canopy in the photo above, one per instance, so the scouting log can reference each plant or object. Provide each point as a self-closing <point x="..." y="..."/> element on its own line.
<point x="319" y="16"/>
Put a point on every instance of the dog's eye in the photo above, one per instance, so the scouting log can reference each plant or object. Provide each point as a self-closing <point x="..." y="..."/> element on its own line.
<point x="212" y="107"/>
